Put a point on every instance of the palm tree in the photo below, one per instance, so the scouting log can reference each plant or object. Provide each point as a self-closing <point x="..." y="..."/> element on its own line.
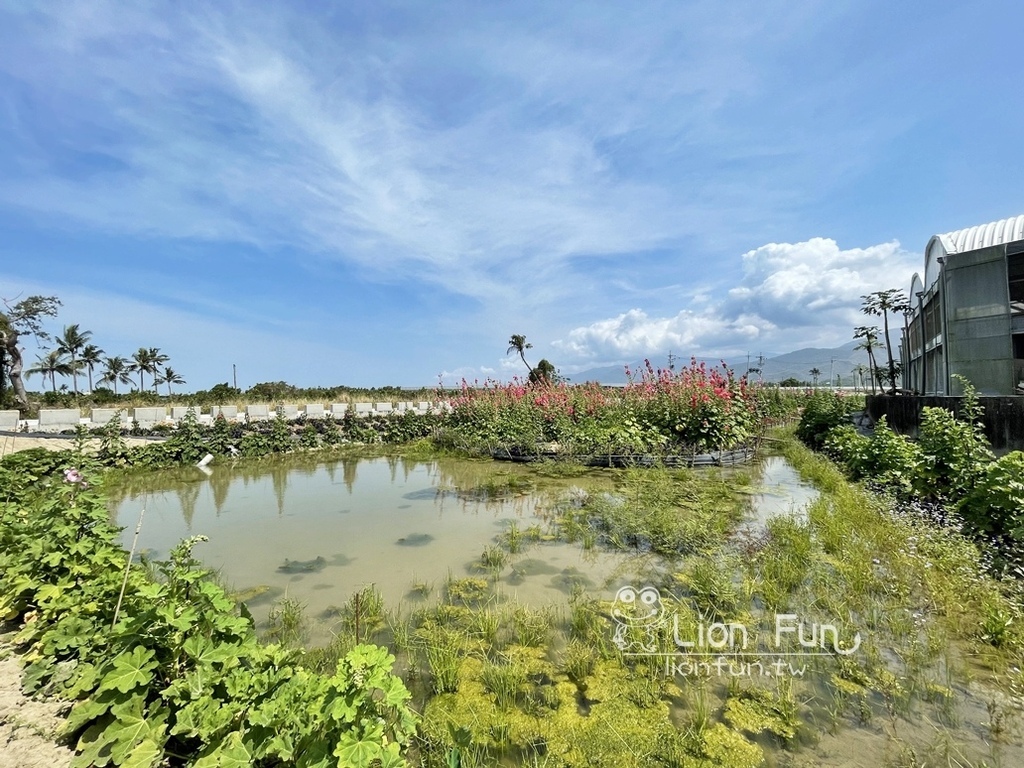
<point x="51" y="364"/>
<point x="518" y="343"/>
<point x="171" y="376"/>
<point x="116" y="369"/>
<point x="91" y="357"/>
<point x="156" y="359"/>
<point x="870" y="343"/>
<point x="815" y="373"/>
<point x="70" y="343"/>
<point x="142" y="364"/>
<point x="881" y="303"/>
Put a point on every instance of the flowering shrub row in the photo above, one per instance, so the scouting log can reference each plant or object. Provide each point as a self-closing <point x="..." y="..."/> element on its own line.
<point x="698" y="408"/>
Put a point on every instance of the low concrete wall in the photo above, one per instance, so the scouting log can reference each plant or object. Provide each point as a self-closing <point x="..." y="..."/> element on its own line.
<point x="147" y="417"/>
<point x="62" y="419"/>
<point x="9" y="420"/>
<point x="257" y="412"/>
<point x="59" y="419"/>
<point x="1003" y="418"/>
<point x="102" y="416"/>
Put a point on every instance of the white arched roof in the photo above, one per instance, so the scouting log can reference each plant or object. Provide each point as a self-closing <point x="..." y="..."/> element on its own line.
<point x="984" y="235"/>
<point x="970" y="239"/>
<point x="916" y="286"/>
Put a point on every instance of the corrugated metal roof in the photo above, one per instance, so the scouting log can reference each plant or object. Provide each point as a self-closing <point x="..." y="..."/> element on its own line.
<point x="984" y="235"/>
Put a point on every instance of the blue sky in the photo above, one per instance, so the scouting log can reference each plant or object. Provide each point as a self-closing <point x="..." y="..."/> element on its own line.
<point x="373" y="193"/>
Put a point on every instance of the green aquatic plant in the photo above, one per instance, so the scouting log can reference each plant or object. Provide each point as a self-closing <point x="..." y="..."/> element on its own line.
<point x="442" y="648"/>
<point x="364" y="614"/>
<point x="756" y="710"/>
<point x="467" y="591"/>
<point x="532" y="627"/>
<point x="493" y="559"/>
<point x="287" y="623"/>
<point x="505" y="679"/>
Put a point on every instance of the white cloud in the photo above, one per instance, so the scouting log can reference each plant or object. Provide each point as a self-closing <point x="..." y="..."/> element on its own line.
<point x="790" y="295"/>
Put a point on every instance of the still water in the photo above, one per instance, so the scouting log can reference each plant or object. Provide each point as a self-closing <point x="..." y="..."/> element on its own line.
<point x="318" y="531"/>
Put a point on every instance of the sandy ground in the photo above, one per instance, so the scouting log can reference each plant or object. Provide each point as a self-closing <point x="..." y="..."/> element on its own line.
<point x="28" y="728"/>
<point x="11" y="442"/>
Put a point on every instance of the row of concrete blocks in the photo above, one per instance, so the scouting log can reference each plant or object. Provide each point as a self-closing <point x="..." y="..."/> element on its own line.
<point x="60" y="419"/>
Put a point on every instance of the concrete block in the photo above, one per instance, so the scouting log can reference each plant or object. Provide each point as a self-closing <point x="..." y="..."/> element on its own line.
<point x="59" y="419"/>
<point x="363" y="409"/>
<point x="9" y="421"/>
<point x="257" y="412"/>
<point x="100" y="417"/>
<point x="338" y="410"/>
<point x="147" y="417"/>
<point x="229" y="412"/>
<point x="179" y="412"/>
<point x="313" y="410"/>
<point x="383" y="407"/>
<point x="290" y="412"/>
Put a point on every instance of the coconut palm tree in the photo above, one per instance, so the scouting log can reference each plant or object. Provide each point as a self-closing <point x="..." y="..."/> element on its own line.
<point x="157" y="360"/>
<point x="518" y="343"/>
<point x="116" y="369"/>
<point x="71" y="343"/>
<point x="870" y="343"/>
<point x="142" y="363"/>
<point x="51" y="364"/>
<point x="91" y="357"/>
<point x="171" y="376"/>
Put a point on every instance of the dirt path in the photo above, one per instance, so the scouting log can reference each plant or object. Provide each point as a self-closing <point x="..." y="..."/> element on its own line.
<point x="10" y="442"/>
<point x="28" y="728"/>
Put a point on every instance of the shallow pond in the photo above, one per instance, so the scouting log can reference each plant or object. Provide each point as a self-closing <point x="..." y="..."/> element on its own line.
<point x="317" y="531"/>
<point x="320" y="532"/>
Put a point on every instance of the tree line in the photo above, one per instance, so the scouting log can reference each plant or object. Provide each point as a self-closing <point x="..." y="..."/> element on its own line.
<point x="69" y="354"/>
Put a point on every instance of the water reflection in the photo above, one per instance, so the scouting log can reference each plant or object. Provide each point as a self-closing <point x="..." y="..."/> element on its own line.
<point x="393" y="522"/>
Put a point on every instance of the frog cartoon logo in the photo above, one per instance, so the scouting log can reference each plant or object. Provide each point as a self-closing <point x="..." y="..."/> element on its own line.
<point x="637" y="612"/>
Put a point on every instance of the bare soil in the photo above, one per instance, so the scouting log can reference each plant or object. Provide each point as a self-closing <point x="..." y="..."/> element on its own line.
<point x="29" y="728"/>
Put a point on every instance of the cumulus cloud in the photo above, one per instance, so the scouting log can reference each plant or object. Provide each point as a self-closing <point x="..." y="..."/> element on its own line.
<point x="790" y="295"/>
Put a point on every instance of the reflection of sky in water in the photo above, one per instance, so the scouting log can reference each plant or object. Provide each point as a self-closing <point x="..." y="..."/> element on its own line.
<point x="780" y="492"/>
<point x="320" y="532"/>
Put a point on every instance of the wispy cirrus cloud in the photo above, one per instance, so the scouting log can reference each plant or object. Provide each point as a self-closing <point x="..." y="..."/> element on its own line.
<point x="273" y="128"/>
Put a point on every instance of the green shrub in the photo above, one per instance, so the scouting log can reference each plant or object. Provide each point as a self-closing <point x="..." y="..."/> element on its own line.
<point x="996" y="503"/>
<point x="955" y="454"/>
<point x="172" y="673"/>
<point x="824" y="410"/>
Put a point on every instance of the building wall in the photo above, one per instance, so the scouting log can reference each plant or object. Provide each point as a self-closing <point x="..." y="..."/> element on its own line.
<point x="1003" y="419"/>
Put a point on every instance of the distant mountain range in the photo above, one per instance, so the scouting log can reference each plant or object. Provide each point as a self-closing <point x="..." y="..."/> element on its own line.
<point x="796" y="365"/>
